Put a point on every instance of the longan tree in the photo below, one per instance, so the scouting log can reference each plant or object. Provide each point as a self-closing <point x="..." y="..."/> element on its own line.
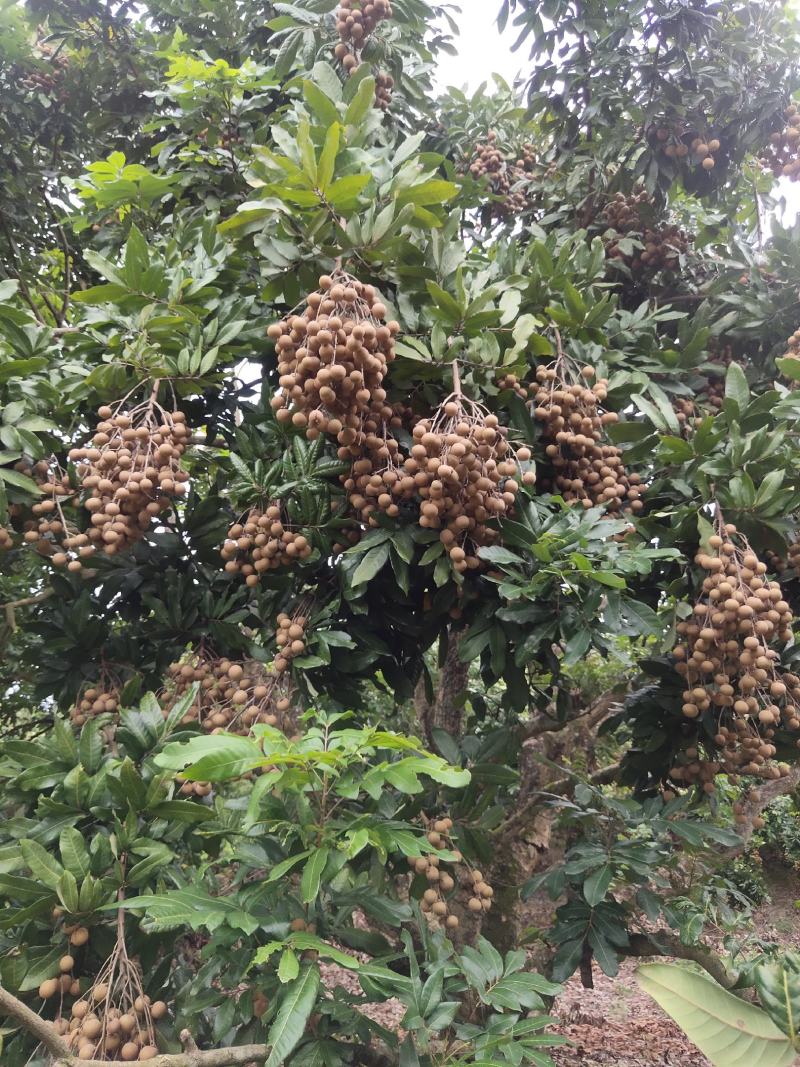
<point x="397" y="518"/>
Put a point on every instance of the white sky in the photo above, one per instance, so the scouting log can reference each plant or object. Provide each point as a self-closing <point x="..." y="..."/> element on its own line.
<point x="482" y="51"/>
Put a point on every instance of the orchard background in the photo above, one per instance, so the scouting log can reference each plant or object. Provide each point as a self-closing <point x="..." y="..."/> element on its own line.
<point x="398" y="528"/>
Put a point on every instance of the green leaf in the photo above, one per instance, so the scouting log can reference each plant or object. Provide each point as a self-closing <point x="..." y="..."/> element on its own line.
<point x="736" y="387"/>
<point x="312" y="874"/>
<point x="614" y="581"/>
<point x="435" y="191"/>
<point x="789" y="366"/>
<point x="19" y="481"/>
<point x="290" y="1022"/>
<point x="90" y="746"/>
<point x="327" y="160"/>
<point x="360" y="105"/>
<point x="323" y="107"/>
<point x="289" y="966"/>
<point x="778" y="986"/>
<point x="42" y="865"/>
<point x="596" y="885"/>
<point x="369" y="566"/>
<point x="74" y="854"/>
<point x="727" y="1030"/>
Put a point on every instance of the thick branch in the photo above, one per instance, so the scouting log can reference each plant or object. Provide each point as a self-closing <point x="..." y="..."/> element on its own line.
<point x="764" y="795"/>
<point x="41" y="1029"/>
<point x="665" y="943"/>
<point x="592" y="716"/>
<point x="562" y="787"/>
<point x="25" y="602"/>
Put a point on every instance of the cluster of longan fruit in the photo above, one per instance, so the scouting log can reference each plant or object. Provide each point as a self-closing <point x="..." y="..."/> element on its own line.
<point x="465" y="472"/>
<point x="434" y="903"/>
<point x="100" y="1031"/>
<point x="102" y="698"/>
<point x="793" y="346"/>
<point x="511" y="381"/>
<point x="129" y="474"/>
<point x="263" y="541"/>
<point x="356" y="21"/>
<point x="624" y="213"/>
<point x="64" y="983"/>
<point x="232" y="696"/>
<point x="663" y="245"/>
<point x="782" y="155"/>
<point x="584" y="468"/>
<point x="332" y="360"/>
<point x="677" y="142"/>
<point x="503" y="173"/>
<point x="290" y="639"/>
<point x="132" y="471"/>
<point x="729" y="668"/>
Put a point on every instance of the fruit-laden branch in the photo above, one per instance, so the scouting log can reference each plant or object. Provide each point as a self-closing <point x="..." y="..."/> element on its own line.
<point x="191" y="1056"/>
<point x="665" y="943"/>
<point x="63" y="1055"/>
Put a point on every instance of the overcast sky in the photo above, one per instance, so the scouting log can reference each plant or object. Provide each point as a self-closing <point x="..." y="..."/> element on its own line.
<point x="482" y="51"/>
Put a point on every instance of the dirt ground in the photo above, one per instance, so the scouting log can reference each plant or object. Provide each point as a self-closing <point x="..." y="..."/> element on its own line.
<point x="617" y="1025"/>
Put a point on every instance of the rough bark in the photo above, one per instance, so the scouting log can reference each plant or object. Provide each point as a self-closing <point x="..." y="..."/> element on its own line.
<point x="666" y="943"/>
<point x="446" y="711"/>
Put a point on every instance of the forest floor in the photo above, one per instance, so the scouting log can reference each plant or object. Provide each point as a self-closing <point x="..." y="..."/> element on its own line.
<point x="617" y="1025"/>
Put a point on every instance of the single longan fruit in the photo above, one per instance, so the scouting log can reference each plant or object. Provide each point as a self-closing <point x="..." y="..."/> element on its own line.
<point x="474" y="904"/>
<point x="451" y="922"/>
<point x="129" y="1051"/>
<point x="708" y="163"/>
<point x="48" y="988"/>
<point x="148" y="1052"/>
<point x="159" y="1009"/>
<point x="79" y="937"/>
<point x="65" y="964"/>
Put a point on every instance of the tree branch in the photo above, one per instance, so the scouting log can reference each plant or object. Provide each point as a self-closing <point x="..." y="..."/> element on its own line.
<point x="8" y="608"/>
<point x="665" y="943"/>
<point x="592" y="716"/>
<point x="34" y="1024"/>
<point x="45" y="1033"/>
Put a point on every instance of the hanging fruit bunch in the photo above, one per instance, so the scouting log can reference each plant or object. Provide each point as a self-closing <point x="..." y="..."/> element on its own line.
<point x="511" y="381"/>
<point x="130" y="474"/>
<point x="6" y="540"/>
<point x="264" y="540"/>
<point x="650" y="248"/>
<point x="733" y="678"/>
<point x="680" y="140"/>
<point x="436" y="900"/>
<point x="53" y="528"/>
<point x="504" y="173"/>
<point x="332" y="360"/>
<point x="290" y="637"/>
<point x="792" y="346"/>
<point x="114" y="1021"/>
<point x="63" y="984"/>
<point x="782" y="155"/>
<point x="100" y="698"/>
<point x="583" y="465"/>
<point x="465" y="472"/>
<point x="356" y="22"/>
<point x="232" y="695"/>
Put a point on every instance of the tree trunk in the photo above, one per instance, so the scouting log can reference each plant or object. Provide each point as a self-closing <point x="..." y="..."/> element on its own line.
<point x="446" y="711"/>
